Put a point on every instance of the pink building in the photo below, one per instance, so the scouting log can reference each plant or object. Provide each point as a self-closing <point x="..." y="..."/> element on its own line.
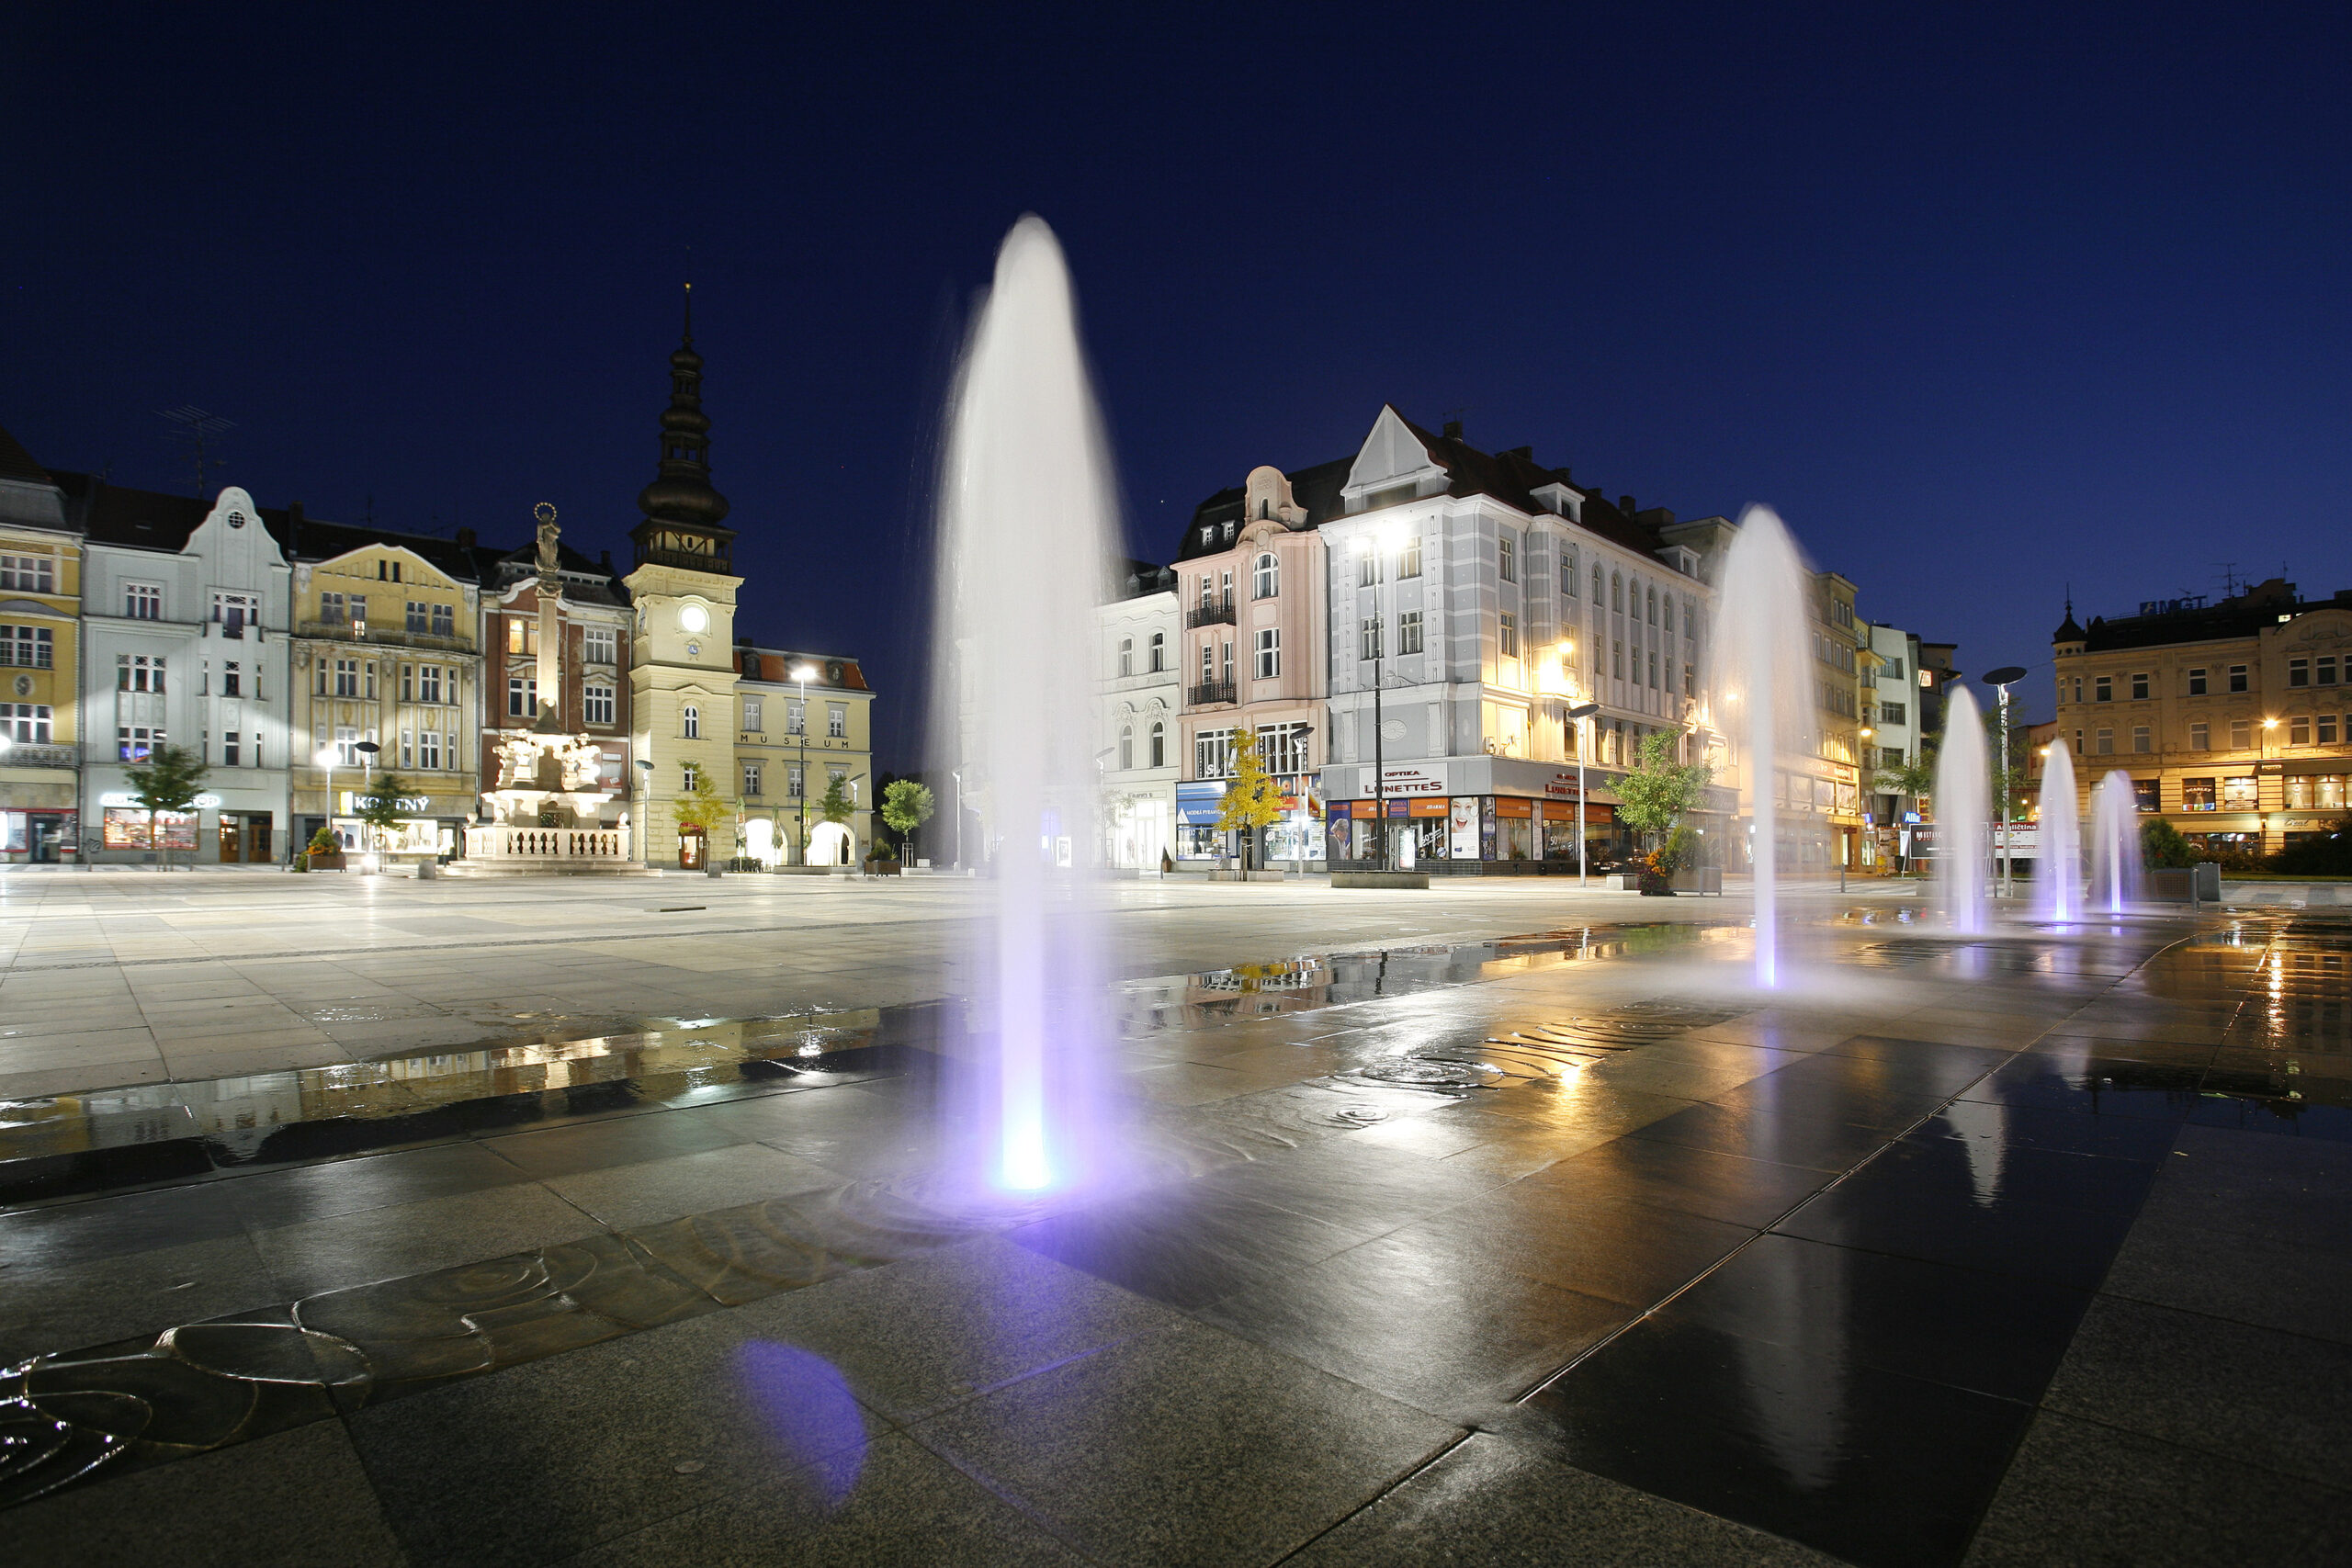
<point x="1251" y="586"/>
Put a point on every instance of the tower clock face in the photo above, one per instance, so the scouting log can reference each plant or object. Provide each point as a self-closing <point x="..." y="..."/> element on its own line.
<point x="694" y="618"/>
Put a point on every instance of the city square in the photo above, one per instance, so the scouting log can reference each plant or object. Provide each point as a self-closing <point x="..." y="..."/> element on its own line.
<point x="1176" y="785"/>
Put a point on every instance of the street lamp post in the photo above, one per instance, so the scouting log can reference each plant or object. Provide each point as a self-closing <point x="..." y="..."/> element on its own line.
<point x="801" y="674"/>
<point x="1579" y="714"/>
<point x="2000" y="679"/>
<point x="326" y="758"/>
<point x="645" y="802"/>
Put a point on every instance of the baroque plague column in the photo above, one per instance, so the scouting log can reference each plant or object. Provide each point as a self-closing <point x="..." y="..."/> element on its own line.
<point x="545" y="809"/>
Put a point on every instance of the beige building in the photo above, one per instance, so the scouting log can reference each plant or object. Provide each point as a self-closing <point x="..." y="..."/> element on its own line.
<point x="2233" y="719"/>
<point x="384" y="653"/>
<point x="802" y="721"/>
<point x="40" y="595"/>
<point x="681" y="666"/>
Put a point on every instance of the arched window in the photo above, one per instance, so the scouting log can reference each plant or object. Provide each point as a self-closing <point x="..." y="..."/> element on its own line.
<point x="1265" y="578"/>
<point x="1158" y="652"/>
<point x="690" y="722"/>
<point x="1617" y="591"/>
<point x="1126" y="746"/>
<point x="1126" y="655"/>
<point x="1653" y="595"/>
<point x="1158" y="744"/>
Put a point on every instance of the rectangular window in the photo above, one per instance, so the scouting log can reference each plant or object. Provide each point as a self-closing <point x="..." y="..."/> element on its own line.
<point x="522" y="697"/>
<point x="408" y="749"/>
<point x="2327" y="669"/>
<point x="2201" y="736"/>
<point x="1267" y="653"/>
<point x="359" y="612"/>
<point x="1507" y="627"/>
<point x="2140" y="739"/>
<point x="2145" y="795"/>
<point x="1569" y="572"/>
<point x="795" y="718"/>
<point x="1506" y="558"/>
<point x="419" y="616"/>
<point x="143" y="601"/>
<point x="2197" y="794"/>
<point x="2105" y="738"/>
<point x="28" y="574"/>
<point x="690" y="777"/>
<point x="596" y="704"/>
<point x="138" y="672"/>
<point x="2299" y="671"/>
<point x="2241" y="734"/>
<point x="596" y="644"/>
<point x="429" y="751"/>
<point x="445" y="620"/>
<point x="2299" y="732"/>
<point x="1617" y="658"/>
<point x="1894" y="713"/>
<point x="751" y="778"/>
<point x="751" y="715"/>
<point x="2237" y="677"/>
<point x="428" y="683"/>
<point x="346" y="746"/>
<point x="134" y="741"/>
<point x="2103" y="689"/>
<point x="2238" y="793"/>
<point x="2327" y="730"/>
<point x="332" y="609"/>
<point x="229" y="750"/>
<point x="2196" y="682"/>
<point x="1370" y="641"/>
<point x="31" y="647"/>
<point x="2139" y="688"/>
<point x="1409" y="558"/>
<point x="837" y="720"/>
<point x="1653" y="668"/>
<point x="1408" y="632"/>
<point x="367" y="668"/>
<point x="1368" y="568"/>
<point x="27" y="722"/>
<point x="1212" y="753"/>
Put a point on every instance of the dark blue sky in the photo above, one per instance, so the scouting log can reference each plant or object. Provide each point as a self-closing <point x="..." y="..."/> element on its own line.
<point x="1985" y="299"/>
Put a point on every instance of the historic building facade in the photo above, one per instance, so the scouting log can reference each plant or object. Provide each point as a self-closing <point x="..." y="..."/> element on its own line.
<point x="1141" y="640"/>
<point x="385" y="655"/>
<point x="802" y="721"/>
<point x="185" y="622"/>
<point x="1477" y="598"/>
<point x="41" y="594"/>
<point x="2233" y="719"/>
<point x="682" y="662"/>
<point x="1249" y="586"/>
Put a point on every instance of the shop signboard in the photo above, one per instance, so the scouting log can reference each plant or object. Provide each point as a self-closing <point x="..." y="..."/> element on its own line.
<point x="1411" y="781"/>
<point x="1561" y="786"/>
<point x="1197" y="805"/>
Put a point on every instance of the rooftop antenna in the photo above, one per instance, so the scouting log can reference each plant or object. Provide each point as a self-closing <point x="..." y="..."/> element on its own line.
<point x="2231" y="584"/>
<point x="197" y="432"/>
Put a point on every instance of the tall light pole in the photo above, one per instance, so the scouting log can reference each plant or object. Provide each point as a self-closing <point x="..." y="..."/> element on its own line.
<point x="2001" y="679"/>
<point x="325" y="759"/>
<point x="1577" y="715"/>
<point x="645" y="804"/>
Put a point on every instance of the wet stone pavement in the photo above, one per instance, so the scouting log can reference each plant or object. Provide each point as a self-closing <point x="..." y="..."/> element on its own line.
<point x="2031" y="1248"/>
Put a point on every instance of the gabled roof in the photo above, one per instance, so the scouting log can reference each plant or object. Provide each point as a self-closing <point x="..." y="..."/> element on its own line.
<point x="311" y="540"/>
<point x="16" y="463"/>
<point x="141" y="519"/>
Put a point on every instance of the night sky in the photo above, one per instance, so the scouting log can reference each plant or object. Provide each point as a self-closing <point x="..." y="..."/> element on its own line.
<point x="1985" y="300"/>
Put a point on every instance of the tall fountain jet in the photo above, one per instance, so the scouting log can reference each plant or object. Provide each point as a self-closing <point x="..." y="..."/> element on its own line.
<point x="2060" y="857"/>
<point x="2115" y="844"/>
<point x="1963" y="815"/>
<point x="1761" y="676"/>
<point x="1027" y="520"/>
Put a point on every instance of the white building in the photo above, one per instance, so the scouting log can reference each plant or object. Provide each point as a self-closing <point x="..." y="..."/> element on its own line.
<point x="185" y="624"/>
<point x="1141" y="742"/>
<point x="1490" y="594"/>
<point x="1891" y="711"/>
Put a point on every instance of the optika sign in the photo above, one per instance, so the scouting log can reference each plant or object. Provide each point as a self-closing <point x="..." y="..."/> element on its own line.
<point x="1410" y="781"/>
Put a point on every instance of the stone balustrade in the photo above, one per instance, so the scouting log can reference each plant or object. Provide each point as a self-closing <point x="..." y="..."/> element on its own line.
<point x="529" y="848"/>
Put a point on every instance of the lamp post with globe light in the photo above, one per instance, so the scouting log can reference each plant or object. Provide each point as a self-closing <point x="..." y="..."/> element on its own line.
<point x="802" y="673"/>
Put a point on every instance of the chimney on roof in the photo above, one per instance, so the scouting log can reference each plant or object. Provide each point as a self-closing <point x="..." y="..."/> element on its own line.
<point x="1453" y="430"/>
<point x="1625" y="504"/>
<point x="1526" y="452"/>
<point x="294" y="513"/>
<point x="465" y="538"/>
<point x="605" y="560"/>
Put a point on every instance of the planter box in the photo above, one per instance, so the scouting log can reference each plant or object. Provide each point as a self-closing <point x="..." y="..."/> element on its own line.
<point x="1380" y="879"/>
<point x="327" y="859"/>
<point x="1699" y="879"/>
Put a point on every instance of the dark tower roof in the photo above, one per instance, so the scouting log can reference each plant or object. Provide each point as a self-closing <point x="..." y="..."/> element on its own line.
<point x="680" y="504"/>
<point x="2067" y="630"/>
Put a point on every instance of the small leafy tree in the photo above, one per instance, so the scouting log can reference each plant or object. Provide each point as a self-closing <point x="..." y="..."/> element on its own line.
<point x="1657" y="793"/>
<point x="380" y="805"/>
<point x="169" y="780"/>
<point x="907" y="804"/>
<point x="2164" y="847"/>
<point x="699" y="807"/>
<point x="836" y="806"/>
<point x="1251" y="798"/>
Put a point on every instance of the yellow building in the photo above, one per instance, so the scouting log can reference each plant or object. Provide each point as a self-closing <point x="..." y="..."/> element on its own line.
<point x="384" y="655"/>
<point x="681" y="668"/>
<point x="803" y="720"/>
<point x="2233" y="720"/>
<point x="1838" y="639"/>
<point x="40" y="596"/>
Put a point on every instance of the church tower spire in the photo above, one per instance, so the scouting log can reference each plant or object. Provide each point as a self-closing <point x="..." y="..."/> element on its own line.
<point x="682" y="510"/>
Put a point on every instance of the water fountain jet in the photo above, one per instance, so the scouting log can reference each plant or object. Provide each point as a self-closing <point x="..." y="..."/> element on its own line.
<point x="2059" y="854"/>
<point x="1964" y="815"/>
<point x="2115" y="844"/>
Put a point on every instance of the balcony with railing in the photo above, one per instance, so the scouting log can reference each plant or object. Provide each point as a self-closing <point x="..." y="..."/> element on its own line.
<point x="1209" y="692"/>
<point x="378" y="632"/>
<point x="36" y="755"/>
<point x="1215" y="613"/>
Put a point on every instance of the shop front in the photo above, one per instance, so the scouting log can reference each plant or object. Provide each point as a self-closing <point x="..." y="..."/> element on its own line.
<point x="38" y="837"/>
<point x="1480" y="816"/>
<point x="1197" y="805"/>
<point x="233" y="827"/>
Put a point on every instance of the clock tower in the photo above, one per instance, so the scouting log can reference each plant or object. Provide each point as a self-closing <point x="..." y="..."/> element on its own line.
<point x="682" y="674"/>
